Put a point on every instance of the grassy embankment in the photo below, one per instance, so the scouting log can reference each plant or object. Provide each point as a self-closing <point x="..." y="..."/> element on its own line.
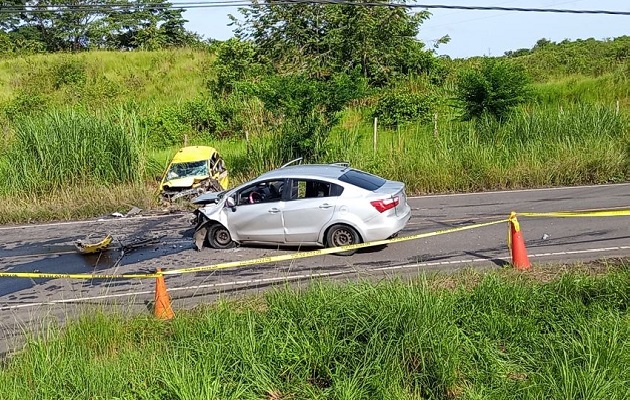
<point x="500" y="335"/>
<point x="78" y="134"/>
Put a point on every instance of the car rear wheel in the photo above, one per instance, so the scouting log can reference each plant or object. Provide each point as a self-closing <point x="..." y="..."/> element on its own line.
<point x="219" y="237"/>
<point x="342" y="235"/>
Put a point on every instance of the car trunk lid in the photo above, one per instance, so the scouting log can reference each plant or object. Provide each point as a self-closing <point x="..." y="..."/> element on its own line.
<point x="392" y="190"/>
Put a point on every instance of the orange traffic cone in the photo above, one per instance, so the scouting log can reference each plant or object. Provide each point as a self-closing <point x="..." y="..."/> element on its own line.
<point x="162" y="307"/>
<point x="516" y="243"/>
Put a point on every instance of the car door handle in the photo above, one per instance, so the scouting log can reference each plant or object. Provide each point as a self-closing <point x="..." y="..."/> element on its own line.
<point x="325" y="205"/>
<point x="273" y="211"/>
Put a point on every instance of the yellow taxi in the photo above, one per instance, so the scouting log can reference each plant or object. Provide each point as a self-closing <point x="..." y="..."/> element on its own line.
<point x="192" y="171"/>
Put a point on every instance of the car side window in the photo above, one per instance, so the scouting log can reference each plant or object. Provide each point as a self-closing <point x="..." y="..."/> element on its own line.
<point x="261" y="192"/>
<point x="217" y="165"/>
<point x="307" y="189"/>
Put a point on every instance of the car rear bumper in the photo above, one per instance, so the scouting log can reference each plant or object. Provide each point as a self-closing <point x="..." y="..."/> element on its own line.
<point x="386" y="228"/>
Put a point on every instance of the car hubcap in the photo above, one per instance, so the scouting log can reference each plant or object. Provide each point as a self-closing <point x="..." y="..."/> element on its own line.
<point x="222" y="236"/>
<point x="343" y="237"/>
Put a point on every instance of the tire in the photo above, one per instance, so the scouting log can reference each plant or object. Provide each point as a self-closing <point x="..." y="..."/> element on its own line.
<point x="341" y="235"/>
<point x="219" y="237"/>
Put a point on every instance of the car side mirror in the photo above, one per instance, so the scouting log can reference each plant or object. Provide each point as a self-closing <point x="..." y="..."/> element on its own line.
<point x="229" y="202"/>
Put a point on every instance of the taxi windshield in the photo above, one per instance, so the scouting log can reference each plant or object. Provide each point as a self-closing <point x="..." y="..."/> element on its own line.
<point x="186" y="169"/>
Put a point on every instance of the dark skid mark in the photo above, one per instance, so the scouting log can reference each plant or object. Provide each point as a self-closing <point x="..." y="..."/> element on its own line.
<point x="29" y="249"/>
<point x="476" y="205"/>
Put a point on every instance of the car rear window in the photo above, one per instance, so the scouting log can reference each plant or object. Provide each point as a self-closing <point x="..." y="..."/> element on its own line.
<point x="362" y="179"/>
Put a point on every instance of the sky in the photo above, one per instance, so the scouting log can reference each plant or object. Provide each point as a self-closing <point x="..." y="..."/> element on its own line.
<point x="476" y="33"/>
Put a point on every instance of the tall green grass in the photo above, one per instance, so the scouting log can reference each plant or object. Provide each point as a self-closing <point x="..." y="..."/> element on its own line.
<point x="499" y="336"/>
<point x="72" y="148"/>
<point x="537" y="146"/>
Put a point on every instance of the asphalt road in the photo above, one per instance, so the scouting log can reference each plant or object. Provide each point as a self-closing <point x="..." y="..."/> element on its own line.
<point x="26" y="304"/>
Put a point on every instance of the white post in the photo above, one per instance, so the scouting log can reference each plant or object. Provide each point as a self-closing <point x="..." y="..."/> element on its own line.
<point x="375" y="133"/>
<point x="435" y="128"/>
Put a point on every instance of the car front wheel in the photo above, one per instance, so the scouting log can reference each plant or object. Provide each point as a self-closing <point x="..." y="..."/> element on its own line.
<point x="342" y="235"/>
<point x="219" y="237"/>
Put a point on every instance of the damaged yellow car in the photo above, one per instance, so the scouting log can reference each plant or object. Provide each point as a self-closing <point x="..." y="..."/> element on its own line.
<point x="192" y="171"/>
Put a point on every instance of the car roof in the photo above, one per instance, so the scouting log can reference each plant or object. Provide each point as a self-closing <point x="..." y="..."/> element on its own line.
<point x="331" y="171"/>
<point x="193" y="153"/>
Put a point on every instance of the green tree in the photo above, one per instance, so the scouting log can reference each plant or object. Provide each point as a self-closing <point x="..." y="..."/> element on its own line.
<point x="146" y="24"/>
<point x="494" y="88"/>
<point x="307" y="108"/>
<point x="10" y="20"/>
<point x="321" y="39"/>
<point x="236" y="60"/>
<point x="71" y="25"/>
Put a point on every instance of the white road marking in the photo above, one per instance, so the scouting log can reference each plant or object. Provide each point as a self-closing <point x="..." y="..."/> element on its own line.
<point x="91" y="221"/>
<point x="310" y="276"/>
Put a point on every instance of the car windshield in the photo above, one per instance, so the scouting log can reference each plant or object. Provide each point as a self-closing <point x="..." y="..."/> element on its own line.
<point x="362" y="179"/>
<point x="185" y="169"/>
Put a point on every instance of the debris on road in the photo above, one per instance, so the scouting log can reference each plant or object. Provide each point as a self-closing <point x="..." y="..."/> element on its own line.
<point x="91" y="248"/>
<point x="85" y="247"/>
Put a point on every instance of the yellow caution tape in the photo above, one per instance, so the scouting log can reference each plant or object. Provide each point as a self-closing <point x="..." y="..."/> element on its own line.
<point x="330" y="250"/>
<point x="512" y="220"/>
<point x="565" y="214"/>
<point x="74" y="276"/>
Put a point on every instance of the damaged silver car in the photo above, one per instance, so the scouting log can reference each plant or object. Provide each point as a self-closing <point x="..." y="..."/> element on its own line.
<point x="318" y="204"/>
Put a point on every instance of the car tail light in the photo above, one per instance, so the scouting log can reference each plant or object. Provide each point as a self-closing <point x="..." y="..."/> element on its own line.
<point x="385" y="204"/>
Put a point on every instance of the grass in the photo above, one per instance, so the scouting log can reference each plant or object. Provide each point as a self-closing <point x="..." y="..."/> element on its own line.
<point x="539" y="146"/>
<point x="75" y="203"/>
<point x="72" y="149"/>
<point x="98" y="79"/>
<point x="498" y="335"/>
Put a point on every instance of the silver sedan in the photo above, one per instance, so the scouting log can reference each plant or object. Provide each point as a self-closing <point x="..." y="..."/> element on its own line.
<point x="314" y="204"/>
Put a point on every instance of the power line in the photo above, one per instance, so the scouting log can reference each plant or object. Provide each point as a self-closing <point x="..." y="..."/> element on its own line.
<point x="242" y="3"/>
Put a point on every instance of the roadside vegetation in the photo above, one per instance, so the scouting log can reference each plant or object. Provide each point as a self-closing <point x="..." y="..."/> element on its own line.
<point x="107" y="122"/>
<point x="544" y="333"/>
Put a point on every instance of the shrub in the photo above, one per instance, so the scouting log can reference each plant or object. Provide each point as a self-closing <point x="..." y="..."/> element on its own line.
<point x="25" y="102"/>
<point x="494" y="88"/>
<point x="195" y="117"/>
<point x="236" y="60"/>
<point x="69" y="73"/>
<point x="397" y="107"/>
<point x="166" y="128"/>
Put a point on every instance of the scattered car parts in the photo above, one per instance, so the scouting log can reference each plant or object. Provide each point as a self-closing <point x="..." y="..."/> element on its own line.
<point x="85" y="247"/>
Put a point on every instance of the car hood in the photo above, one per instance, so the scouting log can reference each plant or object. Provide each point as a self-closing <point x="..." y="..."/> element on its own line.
<point x="185" y="182"/>
<point x="209" y="209"/>
<point x="207" y="198"/>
